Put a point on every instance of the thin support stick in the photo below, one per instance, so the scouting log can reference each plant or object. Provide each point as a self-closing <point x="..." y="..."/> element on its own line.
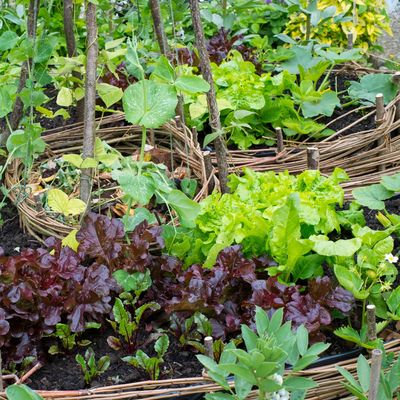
<point x="279" y="140"/>
<point x="379" y="119"/>
<point x="195" y="137"/>
<point x="208" y="343"/>
<point x="209" y="170"/>
<point x="376" y="364"/>
<point x="371" y="322"/>
<point x="380" y="109"/>
<point x="214" y="116"/>
<point x="350" y="41"/>
<point x="313" y="158"/>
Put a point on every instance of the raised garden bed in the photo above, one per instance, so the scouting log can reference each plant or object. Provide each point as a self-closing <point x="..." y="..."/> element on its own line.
<point x="173" y="146"/>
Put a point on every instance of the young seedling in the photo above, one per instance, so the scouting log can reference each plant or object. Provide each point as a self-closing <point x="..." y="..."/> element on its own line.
<point x="90" y="367"/>
<point x="150" y="364"/>
<point x="68" y="339"/>
<point x="124" y="323"/>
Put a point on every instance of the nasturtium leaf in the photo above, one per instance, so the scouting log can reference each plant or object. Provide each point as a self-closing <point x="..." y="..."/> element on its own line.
<point x="109" y="94"/>
<point x="391" y="182"/>
<point x="192" y="84"/>
<point x="149" y="103"/>
<point x="372" y="196"/>
<point x="372" y="84"/>
<point x="21" y="392"/>
<point x="8" y="40"/>
<point x="64" y="97"/>
<point x="59" y="202"/>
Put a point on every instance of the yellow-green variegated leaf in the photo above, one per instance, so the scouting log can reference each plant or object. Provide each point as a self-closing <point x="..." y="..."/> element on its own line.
<point x="70" y="240"/>
<point x="59" y="202"/>
<point x="64" y="97"/>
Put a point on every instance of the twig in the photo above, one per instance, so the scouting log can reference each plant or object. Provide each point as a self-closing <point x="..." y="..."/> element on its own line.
<point x="31" y="372"/>
<point x="371" y="322"/>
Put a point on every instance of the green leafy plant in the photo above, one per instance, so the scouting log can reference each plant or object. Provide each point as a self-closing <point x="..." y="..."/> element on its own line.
<point x="361" y="338"/>
<point x="21" y="392"/>
<point x="124" y="323"/>
<point x="68" y="339"/>
<point x="262" y="364"/>
<point x="370" y="85"/>
<point x="150" y="364"/>
<point x="388" y="382"/>
<point x="90" y="367"/>
<point x="267" y="213"/>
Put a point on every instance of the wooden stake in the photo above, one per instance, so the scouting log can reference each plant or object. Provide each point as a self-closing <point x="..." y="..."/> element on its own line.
<point x="376" y="363"/>
<point x="380" y="109"/>
<point x="350" y="40"/>
<point x="396" y="78"/>
<point x="159" y="26"/>
<point x="279" y="140"/>
<point x="71" y="49"/>
<point x="371" y="322"/>
<point x="209" y="170"/>
<point x="379" y="119"/>
<point x="195" y="137"/>
<point x="25" y="72"/>
<point x="208" y="343"/>
<point x="313" y="158"/>
<point x="89" y="130"/>
<point x="214" y="119"/>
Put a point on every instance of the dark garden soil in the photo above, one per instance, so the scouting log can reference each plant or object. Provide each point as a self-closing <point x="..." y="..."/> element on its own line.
<point x="340" y="82"/>
<point x="12" y="237"/>
<point x="61" y="372"/>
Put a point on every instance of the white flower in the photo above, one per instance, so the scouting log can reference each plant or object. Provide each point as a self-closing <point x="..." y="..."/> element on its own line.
<point x="17" y="249"/>
<point x="391" y="258"/>
<point x="278" y="379"/>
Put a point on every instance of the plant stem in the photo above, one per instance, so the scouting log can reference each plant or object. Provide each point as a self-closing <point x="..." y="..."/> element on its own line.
<point x="142" y="146"/>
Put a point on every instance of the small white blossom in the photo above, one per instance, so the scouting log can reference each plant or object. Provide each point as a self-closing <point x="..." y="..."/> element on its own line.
<point x="391" y="258"/>
<point x="278" y="379"/>
<point x="17" y="249"/>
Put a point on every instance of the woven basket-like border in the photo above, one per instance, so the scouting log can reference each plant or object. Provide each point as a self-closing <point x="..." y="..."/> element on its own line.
<point x="176" y="139"/>
<point x="364" y="155"/>
<point x="328" y="378"/>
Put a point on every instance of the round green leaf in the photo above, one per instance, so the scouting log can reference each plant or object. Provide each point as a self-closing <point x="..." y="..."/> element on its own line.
<point x="149" y="104"/>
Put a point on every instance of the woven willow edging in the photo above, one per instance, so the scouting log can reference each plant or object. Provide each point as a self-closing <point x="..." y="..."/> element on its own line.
<point x="177" y="140"/>
<point x="364" y="155"/>
<point x="329" y="386"/>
